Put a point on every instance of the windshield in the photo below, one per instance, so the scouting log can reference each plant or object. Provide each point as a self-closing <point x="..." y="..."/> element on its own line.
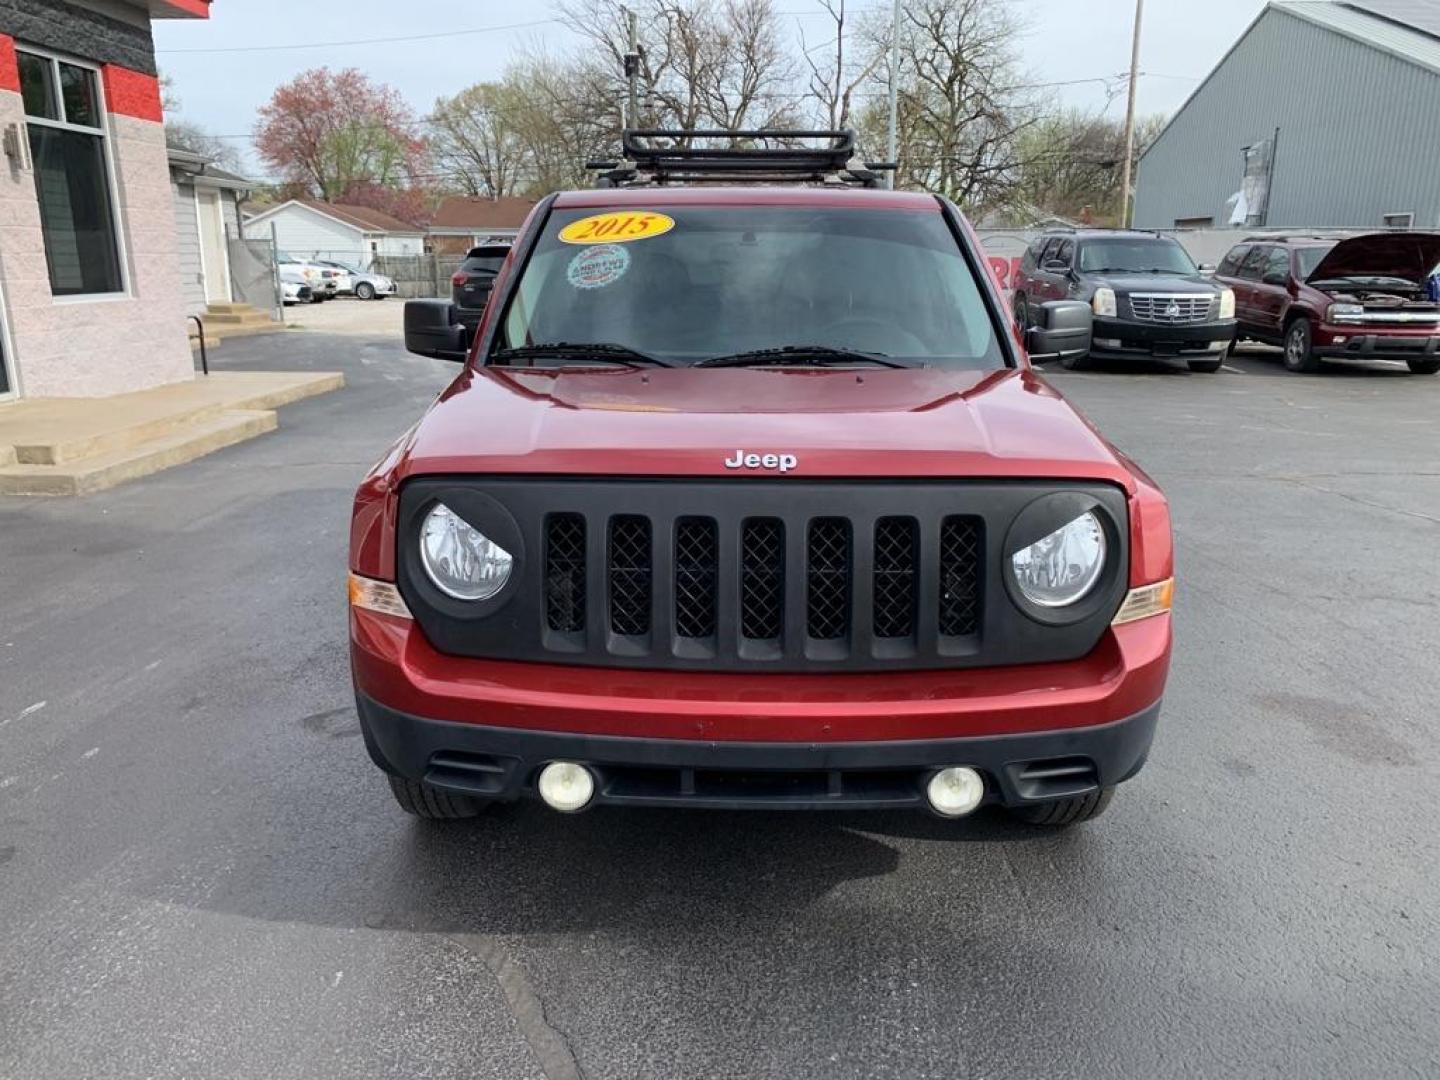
<point x="726" y="280"/>
<point x="1136" y="255"/>
<point x="1309" y="258"/>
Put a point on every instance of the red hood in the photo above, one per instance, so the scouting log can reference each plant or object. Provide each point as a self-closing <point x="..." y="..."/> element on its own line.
<point x="687" y="422"/>
<point x="1413" y="256"/>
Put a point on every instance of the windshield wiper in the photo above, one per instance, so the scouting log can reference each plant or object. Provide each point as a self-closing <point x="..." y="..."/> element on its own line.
<point x="801" y="355"/>
<point x="601" y="352"/>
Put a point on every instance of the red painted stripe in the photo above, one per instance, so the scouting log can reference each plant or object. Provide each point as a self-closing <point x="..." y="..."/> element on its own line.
<point x="9" y="65"/>
<point x="200" y="9"/>
<point x="132" y="93"/>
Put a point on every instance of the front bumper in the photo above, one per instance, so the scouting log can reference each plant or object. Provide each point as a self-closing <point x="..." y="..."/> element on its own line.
<point x="502" y="763"/>
<point x="1359" y="342"/>
<point x="1121" y="338"/>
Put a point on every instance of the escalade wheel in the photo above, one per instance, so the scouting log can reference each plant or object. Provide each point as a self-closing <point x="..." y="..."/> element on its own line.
<point x="1062" y="812"/>
<point x="1207" y="366"/>
<point x="1299" y="355"/>
<point x="1424" y="367"/>
<point x="1022" y="313"/>
<point x="430" y="803"/>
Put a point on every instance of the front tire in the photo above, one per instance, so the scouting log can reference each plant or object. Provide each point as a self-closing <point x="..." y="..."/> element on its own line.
<point x="364" y="291"/>
<point x="1021" y="307"/>
<point x="432" y="804"/>
<point x="1059" y="813"/>
<point x="1299" y="348"/>
<point x="1428" y="366"/>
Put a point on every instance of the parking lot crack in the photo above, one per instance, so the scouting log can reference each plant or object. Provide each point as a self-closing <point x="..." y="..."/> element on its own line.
<point x="1298" y="482"/>
<point x="548" y="1043"/>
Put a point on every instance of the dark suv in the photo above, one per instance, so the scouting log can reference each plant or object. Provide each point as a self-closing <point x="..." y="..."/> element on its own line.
<point x="471" y="284"/>
<point x="1357" y="298"/>
<point x="1149" y="298"/>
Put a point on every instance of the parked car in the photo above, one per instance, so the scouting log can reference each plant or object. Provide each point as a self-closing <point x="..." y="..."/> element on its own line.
<point x="1358" y="298"/>
<point x="702" y="522"/>
<point x="471" y="284"/>
<point x="1149" y="298"/>
<point x="362" y="284"/>
<point x="294" y="287"/>
<point x="313" y="274"/>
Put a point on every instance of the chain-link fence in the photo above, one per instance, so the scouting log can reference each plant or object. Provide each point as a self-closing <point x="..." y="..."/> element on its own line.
<point x="418" y="275"/>
<point x="253" y="275"/>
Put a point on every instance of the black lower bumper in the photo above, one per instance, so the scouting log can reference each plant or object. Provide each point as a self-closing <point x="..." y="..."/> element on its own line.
<point x="1382" y="347"/>
<point x="1156" y="339"/>
<point x="501" y="763"/>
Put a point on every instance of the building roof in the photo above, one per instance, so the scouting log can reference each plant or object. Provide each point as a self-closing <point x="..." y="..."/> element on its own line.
<point x="472" y="212"/>
<point x="1408" y="29"/>
<point x="360" y="218"/>
<point x="199" y="169"/>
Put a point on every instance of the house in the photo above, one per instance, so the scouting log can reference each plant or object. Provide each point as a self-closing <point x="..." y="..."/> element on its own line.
<point x="354" y="235"/>
<point x="1322" y="115"/>
<point x="90" y="297"/>
<point x="463" y="221"/>
<point x="207" y="222"/>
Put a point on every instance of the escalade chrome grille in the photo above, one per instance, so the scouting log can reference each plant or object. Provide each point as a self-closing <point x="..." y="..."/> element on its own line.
<point x="721" y="575"/>
<point x="1171" y="309"/>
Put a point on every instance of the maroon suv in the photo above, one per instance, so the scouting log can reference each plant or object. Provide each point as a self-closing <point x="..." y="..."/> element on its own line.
<point x="1358" y="298"/>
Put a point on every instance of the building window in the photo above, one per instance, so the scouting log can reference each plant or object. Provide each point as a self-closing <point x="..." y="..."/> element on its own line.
<point x="66" y="125"/>
<point x="1399" y="221"/>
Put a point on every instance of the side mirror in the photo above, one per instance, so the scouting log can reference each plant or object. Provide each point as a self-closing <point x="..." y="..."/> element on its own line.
<point x="1275" y="279"/>
<point x="1062" y="329"/>
<point x="1056" y="266"/>
<point x="432" y="330"/>
<point x="1207" y="268"/>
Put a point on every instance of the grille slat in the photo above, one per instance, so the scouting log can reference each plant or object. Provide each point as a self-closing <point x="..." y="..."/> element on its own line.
<point x="629" y="574"/>
<point x="896" y="561"/>
<point x="762" y="579"/>
<point x="828" y="569"/>
<point x="1171" y="309"/>
<point x="960" y="566"/>
<point x="696" y="577"/>
<point x="565" y="573"/>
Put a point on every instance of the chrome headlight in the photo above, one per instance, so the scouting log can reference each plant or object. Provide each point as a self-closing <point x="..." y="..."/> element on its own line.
<point x="1061" y="569"/>
<point x="461" y="560"/>
<point x="1104" y="302"/>
<point x="1345" y="313"/>
<point x="1227" y="303"/>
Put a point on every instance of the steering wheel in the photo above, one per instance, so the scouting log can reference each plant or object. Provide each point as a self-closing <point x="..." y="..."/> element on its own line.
<point x="872" y="335"/>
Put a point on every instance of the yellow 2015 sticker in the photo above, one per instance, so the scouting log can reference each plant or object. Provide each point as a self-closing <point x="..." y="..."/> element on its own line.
<point x="617" y="227"/>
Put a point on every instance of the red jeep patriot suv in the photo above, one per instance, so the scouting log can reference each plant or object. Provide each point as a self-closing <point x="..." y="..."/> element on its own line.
<point x="748" y="496"/>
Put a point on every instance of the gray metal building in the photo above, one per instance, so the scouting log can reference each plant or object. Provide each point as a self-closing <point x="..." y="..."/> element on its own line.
<point x="1338" y="105"/>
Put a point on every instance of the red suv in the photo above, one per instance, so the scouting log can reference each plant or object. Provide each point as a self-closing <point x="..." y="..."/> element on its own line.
<point x="704" y="522"/>
<point x="1359" y="298"/>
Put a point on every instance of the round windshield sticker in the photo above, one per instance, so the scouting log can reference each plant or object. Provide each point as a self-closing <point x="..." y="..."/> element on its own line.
<point x="618" y="227"/>
<point x="596" y="267"/>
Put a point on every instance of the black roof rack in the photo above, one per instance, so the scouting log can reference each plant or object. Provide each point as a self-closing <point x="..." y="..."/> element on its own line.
<point x="787" y="160"/>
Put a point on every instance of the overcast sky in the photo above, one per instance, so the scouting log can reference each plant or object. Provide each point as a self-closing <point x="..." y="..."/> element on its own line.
<point x="1067" y="40"/>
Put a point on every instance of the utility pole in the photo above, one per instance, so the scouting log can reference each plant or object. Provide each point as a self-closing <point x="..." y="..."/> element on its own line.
<point x="1130" y="119"/>
<point x="894" y="91"/>
<point x="632" y="70"/>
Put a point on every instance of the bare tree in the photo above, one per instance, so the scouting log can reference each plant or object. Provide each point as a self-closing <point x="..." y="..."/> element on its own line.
<point x="475" y="142"/>
<point x="833" y="85"/>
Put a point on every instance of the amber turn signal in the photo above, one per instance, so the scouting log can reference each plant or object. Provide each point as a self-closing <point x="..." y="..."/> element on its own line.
<point x="1145" y="601"/>
<point x="381" y="596"/>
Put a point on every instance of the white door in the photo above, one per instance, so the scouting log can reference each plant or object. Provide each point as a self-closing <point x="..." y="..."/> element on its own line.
<point x="213" y="254"/>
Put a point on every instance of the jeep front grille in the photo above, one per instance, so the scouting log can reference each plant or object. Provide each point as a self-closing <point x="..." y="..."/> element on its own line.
<point x="1171" y="309"/>
<point x="728" y="576"/>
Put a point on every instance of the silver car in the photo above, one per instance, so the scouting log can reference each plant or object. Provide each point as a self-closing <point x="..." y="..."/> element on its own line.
<point x="363" y="284"/>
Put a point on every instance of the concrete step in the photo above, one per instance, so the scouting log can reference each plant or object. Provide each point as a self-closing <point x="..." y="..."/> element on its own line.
<point x="236" y="307"/>
<point x="60" y="431"/>
<point x="210" y="341"/>
<point x="248" y="318"/>
<point x="7" y="456"/>
<point x="180" y="443"/>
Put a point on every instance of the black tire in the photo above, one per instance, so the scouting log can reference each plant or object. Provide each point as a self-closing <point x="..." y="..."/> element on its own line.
<point x="364" y="291"/>
<point x="1061" y="812"/>
<point x="430" y="803"/>
<point x="1021" y="308"/>
<point x="1208" y="366"/>
<point x="1075" y="363"/>
<point x="1427" y="366"/>
<point x="1299" y="348"/>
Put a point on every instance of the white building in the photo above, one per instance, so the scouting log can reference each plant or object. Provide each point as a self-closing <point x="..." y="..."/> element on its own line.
<point x="354" y="235"/>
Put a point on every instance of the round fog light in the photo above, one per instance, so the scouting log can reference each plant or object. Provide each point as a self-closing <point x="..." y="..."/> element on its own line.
<point x="956" y="791"/>
<point x="566" y="786"/>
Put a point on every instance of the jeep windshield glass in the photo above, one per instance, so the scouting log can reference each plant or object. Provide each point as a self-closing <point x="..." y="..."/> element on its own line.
<point x="727" y="281"/>
<point x="1135" y="255"/>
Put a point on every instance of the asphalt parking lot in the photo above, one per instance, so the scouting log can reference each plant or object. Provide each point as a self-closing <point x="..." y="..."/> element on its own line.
<point x="201" y="875"/>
